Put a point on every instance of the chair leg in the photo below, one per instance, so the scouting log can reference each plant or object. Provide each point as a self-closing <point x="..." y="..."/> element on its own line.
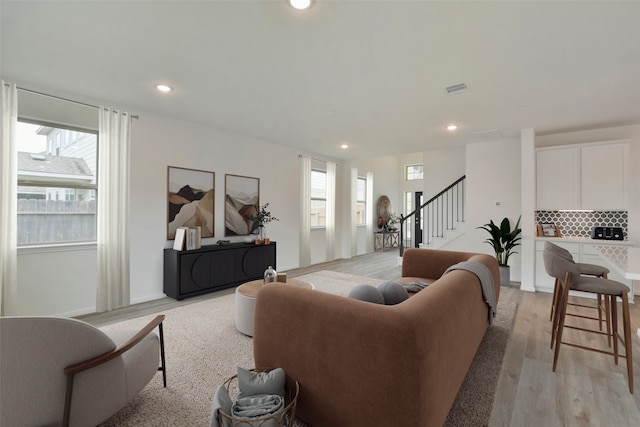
<point x="599" y="297"/>
<point x="163" y="365"/>
<point x="553" y="300"/>
<point x="561" y="310"/>
<point x="627" y="340"/>
<point x="556" y="303"/>
<point x="614" y="327"/>
<point x="607" y="314"/>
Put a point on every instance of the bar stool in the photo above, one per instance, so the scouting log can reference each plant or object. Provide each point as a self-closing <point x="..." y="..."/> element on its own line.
<point x="569" y="278"/>
<point x="585" y="270"/>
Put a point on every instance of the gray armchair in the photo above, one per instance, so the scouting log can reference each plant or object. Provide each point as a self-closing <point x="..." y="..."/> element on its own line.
<point x="61" y="371"/>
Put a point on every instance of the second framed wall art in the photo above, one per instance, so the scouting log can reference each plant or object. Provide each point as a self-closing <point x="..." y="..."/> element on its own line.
<point x="242" y="200"/>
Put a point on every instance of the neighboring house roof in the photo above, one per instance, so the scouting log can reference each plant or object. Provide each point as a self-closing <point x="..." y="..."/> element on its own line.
<point x="46" y="167"/>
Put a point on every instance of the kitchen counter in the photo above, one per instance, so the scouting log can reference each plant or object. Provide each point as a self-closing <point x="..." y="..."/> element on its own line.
<point x="625" y="259"/>
<point x="580" y="239"/>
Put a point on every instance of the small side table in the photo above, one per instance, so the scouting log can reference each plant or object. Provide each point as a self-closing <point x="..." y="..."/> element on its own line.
<point x="246" y="301"/>
<point x="385" y="240"/>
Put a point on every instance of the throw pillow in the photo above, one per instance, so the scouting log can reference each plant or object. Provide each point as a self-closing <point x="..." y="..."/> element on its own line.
<point x="393" y="292"/>
<point x="366" y="293"/>
<point x="222" y="401"/>
<point x="251" y="383"/>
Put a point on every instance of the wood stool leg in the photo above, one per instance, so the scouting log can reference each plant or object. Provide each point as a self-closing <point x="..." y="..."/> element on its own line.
<point x="599" y="296"/>
<point x="607" y="314"/>
<point x="627" y="340"/>
<point x="553" y="300"/>
<point x="561" y="310"/>
<point x="556" y="304"/>
<point x="614" y="327"/>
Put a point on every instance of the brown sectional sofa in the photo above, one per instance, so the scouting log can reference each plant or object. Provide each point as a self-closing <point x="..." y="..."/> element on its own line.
<point x="364" y="364"/>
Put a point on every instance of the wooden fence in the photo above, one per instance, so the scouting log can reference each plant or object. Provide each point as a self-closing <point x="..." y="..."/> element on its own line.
<point x="56" y="221"/>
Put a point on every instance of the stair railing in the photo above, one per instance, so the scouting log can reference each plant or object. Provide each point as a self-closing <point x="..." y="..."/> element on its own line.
<point x="439" y="213"/>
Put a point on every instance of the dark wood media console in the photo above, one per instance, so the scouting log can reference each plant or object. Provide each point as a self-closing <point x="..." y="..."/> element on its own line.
<point x="215" y="267"/>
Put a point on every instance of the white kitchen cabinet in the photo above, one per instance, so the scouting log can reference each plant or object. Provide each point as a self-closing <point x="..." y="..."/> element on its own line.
<point x="558" y="178"/>
<point x="583" y="176"/>
<point x="603" y="177"/>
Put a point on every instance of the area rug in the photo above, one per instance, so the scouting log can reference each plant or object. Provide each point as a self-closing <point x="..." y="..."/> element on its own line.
<point x="203" y="349"/>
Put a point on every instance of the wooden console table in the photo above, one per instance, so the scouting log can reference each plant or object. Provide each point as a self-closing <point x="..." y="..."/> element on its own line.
<point x="215" y="267"/>
<point x="385" y="240"/>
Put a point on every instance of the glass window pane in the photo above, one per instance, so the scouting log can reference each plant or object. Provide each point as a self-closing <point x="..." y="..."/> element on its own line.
<point x="360" y="213"/>
<point x="408" y="208"/>
<point x="53" y="218"/>
<point x="57" y="183"/>
<point x="362" y="189"/>
<point x="413" y="172"/>
<point x="318" y="184"/>
<point x="318" y="213"/>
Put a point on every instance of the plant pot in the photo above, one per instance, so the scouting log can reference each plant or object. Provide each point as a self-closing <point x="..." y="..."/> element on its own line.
<point x="505" y="275"/>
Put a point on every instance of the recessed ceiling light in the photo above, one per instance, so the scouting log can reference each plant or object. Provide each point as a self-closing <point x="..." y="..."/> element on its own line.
<point x="452" y="127"/>
<point x="300" y="4"/>
<point x="344" y="146"/>
<point x="164" y="88"/>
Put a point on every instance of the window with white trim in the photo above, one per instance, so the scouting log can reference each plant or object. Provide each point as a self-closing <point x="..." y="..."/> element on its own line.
<point x="361" y="201"/>
<point x="408" y="208"/>
<point x="57" y="184"/>
<point x="318" y="198"/>
<point x="413" y="172"/>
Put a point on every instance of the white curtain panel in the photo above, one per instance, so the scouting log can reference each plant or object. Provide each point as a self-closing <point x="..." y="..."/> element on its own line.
<point x="305" y="211"/>
<point x="8" y="199"/>
<point x="369" y="212"/>
<point x="114" y="143"/>
<point x="331" y="211"/>
<point x="354" y="211"/>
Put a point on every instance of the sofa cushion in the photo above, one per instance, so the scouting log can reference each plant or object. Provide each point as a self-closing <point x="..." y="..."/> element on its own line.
<point x="392" y="292"/>
<point x="367" y="293"/>
<point x="252" y="383"/>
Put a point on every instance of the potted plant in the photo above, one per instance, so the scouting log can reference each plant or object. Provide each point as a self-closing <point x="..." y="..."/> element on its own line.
<point x="262" y="217"/>
<point x="503" y="240"/>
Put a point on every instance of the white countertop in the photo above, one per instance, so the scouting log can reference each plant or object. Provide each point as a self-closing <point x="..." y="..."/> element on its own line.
<point x="626" y="259"/>
<point x="580" y="239"/>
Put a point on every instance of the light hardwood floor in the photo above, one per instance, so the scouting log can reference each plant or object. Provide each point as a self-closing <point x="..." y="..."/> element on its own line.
<point x="587" y="389"/>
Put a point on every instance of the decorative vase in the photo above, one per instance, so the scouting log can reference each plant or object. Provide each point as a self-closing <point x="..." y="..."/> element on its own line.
<point x="270" y="275"/>
<point x="505" y="275"/>
<point x="262" y="233"/>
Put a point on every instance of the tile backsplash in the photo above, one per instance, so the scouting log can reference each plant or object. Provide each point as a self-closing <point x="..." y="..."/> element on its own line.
<point x="579" y="223"/>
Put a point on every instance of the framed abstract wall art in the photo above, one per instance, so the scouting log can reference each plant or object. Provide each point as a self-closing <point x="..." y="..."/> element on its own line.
<point x="242" y="200"/>
<point x="191" y="200"/>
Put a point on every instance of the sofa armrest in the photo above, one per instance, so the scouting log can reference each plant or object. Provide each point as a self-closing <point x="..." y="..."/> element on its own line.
<point x="429" y="263"/>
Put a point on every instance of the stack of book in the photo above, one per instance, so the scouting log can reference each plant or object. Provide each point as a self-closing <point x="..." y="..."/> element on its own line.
<point x="188" y="238"/>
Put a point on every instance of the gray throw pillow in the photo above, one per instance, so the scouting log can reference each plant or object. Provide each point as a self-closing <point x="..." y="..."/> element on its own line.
<point x="393" y="292"/>
<point x="222" y="401"/>
<point x="251" y="383"/>
<point x="366" y="293"/>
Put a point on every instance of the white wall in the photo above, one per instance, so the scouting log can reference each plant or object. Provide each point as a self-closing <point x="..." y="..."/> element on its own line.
<point x="493" y="176"/>
<point x="63" y="282"/>
<point x="441" y="169"/>
<point x="387" y="175"/>
<point x="158" y="142"/>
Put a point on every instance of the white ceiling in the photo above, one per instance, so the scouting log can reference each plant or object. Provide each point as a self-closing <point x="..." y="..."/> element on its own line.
<point x="368" y="73"/>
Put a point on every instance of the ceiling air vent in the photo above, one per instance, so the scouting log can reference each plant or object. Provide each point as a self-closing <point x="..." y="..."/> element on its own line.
<point x="459" y="88"/>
